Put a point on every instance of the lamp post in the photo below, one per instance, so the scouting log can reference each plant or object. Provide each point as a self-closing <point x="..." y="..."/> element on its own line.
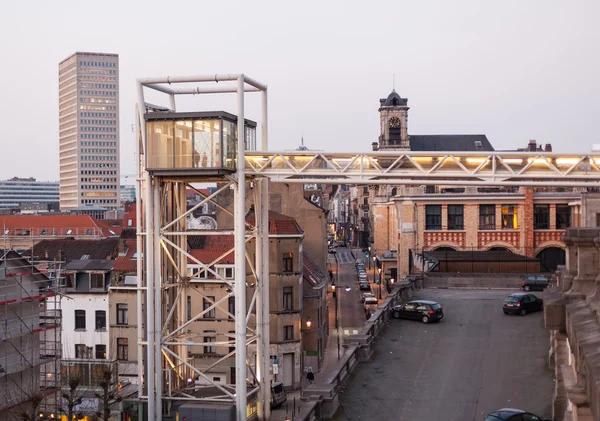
<point x="379" y="272"/>
<point x="369" y="257"/>
<point x="337" y="296"/>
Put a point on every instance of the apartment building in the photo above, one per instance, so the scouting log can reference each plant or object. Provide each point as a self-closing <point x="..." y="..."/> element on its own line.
<point x="89" y="130"/>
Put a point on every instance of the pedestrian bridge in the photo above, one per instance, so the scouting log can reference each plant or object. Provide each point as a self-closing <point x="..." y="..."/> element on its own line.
<point x="423" y="168"/>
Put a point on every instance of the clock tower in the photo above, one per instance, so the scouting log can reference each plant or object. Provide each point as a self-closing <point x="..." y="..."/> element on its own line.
<point x="393" y="117"/>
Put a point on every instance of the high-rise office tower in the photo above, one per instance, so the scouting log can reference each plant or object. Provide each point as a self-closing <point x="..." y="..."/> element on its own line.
<point x="88" y="89"/>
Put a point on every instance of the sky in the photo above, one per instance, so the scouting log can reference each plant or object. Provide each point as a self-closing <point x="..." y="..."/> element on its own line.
<point x="514" y="70"/>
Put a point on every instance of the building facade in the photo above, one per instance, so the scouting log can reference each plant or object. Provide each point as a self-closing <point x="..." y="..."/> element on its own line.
<point x="413" y="220"/>
<point x="89" y="130"/>
<point x="26" y="195"/>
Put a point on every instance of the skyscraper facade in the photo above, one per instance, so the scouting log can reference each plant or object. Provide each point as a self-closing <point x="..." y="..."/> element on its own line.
<point x="89" y="130"/>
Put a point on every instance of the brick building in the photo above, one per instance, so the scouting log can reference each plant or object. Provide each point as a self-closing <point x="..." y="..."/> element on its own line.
<point x="525" y="221"/>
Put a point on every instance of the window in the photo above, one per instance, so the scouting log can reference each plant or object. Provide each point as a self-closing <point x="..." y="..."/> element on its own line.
<point x="100" y="319"/>
<point x="487" y="217"/>
<point x="563" y="216"/>
<point x="231" y="338"/>
<point x="288" y="298"/>
<point x="455" y="217"/>
<point x="189" y="307"/>
<point x="122" y="318"/>
<point x="288" y="262"/>
<point x="433" y="217"/>
<point x="69" y="231"/>
<point x="288" y="333"/>
<point x="100" y="352"/>
<point x="80" y="351"/>
<point x="509" y="217"/>
<point x="206" y="304"/>
<point x="225" y="273"/>
<point x="122" y="349"/>
<point x="97" y="280"/>
<point x="210" y="349"/>
<point x="541" y="217"/>
<point x="366" y="190"/>
<point x="231" y="306"/>
<point x="80" y="319"/>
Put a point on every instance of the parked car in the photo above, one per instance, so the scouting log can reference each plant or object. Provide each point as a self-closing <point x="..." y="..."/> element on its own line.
<point x="370" y="303"/>
<point x="367" y="295"/>
<point x="364" y="286"/>
<point x="340" y="244"/>
<point x="522" y="303"/>
<point x="360" y="267"/>
<point x="511" y="414"/>
<point x="363" y="277"/>
<point x="426" y="311"/>
<point x="534" y="282"/>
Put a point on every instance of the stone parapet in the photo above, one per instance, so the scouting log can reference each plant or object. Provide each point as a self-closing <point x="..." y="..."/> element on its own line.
<point x="571" y="313"/>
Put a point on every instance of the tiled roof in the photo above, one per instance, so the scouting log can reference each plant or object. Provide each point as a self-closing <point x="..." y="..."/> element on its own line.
<point x="279" y="224"/>
<point x="108" y="225"/>
<point x="94" y="264"/>
<point x="105" y="248"/>
<point x="214" y="242"/>
<point x="210" y="255"/>
<point x="126" y="263"/>
<point x="311" y="272"/>
<point x="450" y="142"/>
<point x="79" y="224"/>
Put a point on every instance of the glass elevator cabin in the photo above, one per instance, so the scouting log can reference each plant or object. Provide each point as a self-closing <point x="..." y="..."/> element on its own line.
<point x="195" y="142"/>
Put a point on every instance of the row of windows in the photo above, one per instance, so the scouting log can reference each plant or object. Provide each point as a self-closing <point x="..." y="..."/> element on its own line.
<point x="98" y="100"/>
<point x="105" y="201"/>
<point x="85" y="352"/>
<point x="99" y="172"/>
<point x="98" y="158"/>
<point x="99" y="136"/>
<point x="97" y="107"/>
<point x="99" y="122"/>
<point x="98" y="187"/>
<point x="122" y="318"/>
<point x="97" y="64"/>
<point x="98" y="129"/>
<point x="85" y="150"/>
<point x="99" y="78"/>
<point x="97" y="93"/>
<point x="99" y="85"/>
<point x="98" y="180"/>
<point x="87" y="143"/>
<point x="98" y="194"/>
<point x="105" y="115"/>
<point x="44" y="231"/>
<point x="487" y="217"/>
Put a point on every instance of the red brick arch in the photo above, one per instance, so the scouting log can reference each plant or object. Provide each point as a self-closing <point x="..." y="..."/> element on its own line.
<point x="507" y="246"/>
<point x="548" y="244"/>
<point x="455" y="246"/>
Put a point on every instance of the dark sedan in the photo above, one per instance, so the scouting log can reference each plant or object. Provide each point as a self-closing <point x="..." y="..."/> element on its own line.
<point x="511" y="414"/>
<point x="522" y="303"/>
<point x="426" y="311"/>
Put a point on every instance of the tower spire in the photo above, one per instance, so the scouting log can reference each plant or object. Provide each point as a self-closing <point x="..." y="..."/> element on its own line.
<point x="393" y="82"/>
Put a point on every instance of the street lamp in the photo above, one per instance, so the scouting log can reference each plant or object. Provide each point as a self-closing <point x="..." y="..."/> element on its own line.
<point x="379" y="272"/>
<point x="308" y="323"/>
<point x="369" y="257"/>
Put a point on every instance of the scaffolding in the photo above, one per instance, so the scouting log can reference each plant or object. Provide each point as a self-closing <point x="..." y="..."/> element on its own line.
<point x="30" y="336"/>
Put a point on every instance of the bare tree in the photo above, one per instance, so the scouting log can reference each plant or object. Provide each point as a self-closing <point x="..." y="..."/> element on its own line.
<point x="72" y="399"/>
<point x="109" y="395"/>
<point x="30" y="410"/>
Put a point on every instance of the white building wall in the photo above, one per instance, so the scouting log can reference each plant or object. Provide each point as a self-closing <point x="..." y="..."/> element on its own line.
<point x="90" y="336"/>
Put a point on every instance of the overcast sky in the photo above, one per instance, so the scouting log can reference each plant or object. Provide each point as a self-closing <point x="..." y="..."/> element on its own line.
<point x="514" y="70"/>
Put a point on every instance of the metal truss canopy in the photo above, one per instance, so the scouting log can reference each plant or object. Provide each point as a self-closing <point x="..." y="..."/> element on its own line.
<point x="426" y="168"/>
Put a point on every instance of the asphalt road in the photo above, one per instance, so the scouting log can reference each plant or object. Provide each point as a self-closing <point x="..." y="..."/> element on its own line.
<point x="475" y="361"/>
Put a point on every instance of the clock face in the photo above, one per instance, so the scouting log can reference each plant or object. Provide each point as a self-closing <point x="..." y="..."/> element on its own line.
<point x="394" y="122"/>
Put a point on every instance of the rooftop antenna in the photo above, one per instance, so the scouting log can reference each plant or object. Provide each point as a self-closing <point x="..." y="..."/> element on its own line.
<point x="394" y="82"/>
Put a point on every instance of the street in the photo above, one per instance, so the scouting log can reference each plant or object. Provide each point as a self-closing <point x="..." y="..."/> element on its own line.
<point x="474" y="361"/>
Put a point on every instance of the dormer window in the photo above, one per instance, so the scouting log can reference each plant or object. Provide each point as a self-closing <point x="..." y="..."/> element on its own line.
<point x="43" y="232"/>
<point x="89" y="231"/>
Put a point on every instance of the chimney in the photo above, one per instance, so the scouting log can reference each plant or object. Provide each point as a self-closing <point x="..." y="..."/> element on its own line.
<point x="548" y="147"/>
<point x="122" y="247"/>
<point x="532" y="146"/>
